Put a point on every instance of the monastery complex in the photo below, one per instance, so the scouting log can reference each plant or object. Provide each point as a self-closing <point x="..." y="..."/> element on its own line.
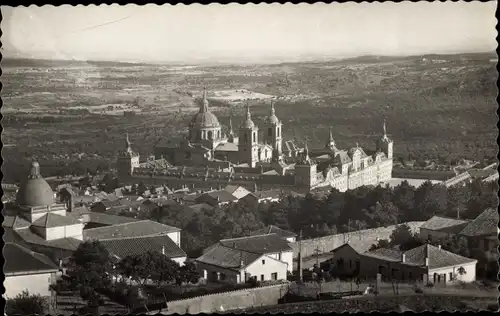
<point x="208" y="159"/>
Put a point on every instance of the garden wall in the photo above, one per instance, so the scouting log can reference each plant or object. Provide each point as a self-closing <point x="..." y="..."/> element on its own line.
<point x="361" y="239"/>
<point x="254" y="297"/>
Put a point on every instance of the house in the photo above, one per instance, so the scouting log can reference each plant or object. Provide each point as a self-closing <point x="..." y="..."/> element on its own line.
<point x="221" y="263"/>
<point x="266" y="196"/>
<point x="237" y="191"/>
<point x="268" y="245"/>
<point x="482" y="233"/>
<point x="426" y="263"/>
<point x="217" y="198"/>
<point x="437" y="228"/>
<point x="27" y="270"/>
<point x="271" y="229"/>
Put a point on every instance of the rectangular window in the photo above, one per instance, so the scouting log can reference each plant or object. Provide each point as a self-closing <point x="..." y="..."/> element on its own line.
<point x="262" y="277"/>
<point x="451" y="276"/>
<point x="279" y="256"/>
<point x="263" y="261"/>
<point x="222" y="276"/>
<point x="274" y="276"/>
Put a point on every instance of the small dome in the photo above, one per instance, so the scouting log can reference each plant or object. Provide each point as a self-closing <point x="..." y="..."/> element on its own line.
<point x="205" y="119"/>
<point x="35" y="191"/>
<point x="273" y="119"/>
<point x="248" y="123"/>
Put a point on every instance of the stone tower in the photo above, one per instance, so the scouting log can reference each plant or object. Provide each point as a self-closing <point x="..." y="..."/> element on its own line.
<point x="273" y="134"/>
<point x="248" y="141"/>
<point x="330" y="143"/>
<point x="384" y="144"/>
<point x="126" y="162"/>
<point x="305" y="170"/>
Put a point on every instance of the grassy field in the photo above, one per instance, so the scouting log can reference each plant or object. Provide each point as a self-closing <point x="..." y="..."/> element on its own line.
<point x="437" y="107"/>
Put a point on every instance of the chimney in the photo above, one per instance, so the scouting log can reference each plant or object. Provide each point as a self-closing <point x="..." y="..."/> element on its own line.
<point x="403" y="258"/>
<point x="163" y="250"/>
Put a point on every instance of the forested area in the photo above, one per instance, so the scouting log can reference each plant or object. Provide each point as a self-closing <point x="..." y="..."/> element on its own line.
<point x="336" y="212"/>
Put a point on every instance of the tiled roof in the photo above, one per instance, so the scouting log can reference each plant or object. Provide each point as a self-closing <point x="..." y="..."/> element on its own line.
<point x="15" y="222"/>
<point x="267" y="194"/>
<point x="65" y="243"/>
<point x="231" y="188"/>
<point x="271" y="229"/>
<point x="227" y="147"/>
<point x="222" y="195"/>
<point x="385" y="253"/>
<point x="342" y="157"/>
<point x="485" y="224"/>
<point x="438" y="258"/>
<point x="229" y="258"/>
<point x="21" y="259"/>
<point x="108" y="219"/>
<point x="55" y="220"/>
<point x="128" y="230"/>
<point x="445" y="224"/>
<point x="122" y="248"/>
<point x="263" y="244"/>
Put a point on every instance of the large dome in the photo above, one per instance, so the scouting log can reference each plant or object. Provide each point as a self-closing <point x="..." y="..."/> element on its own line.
<point x="204" y="120"/>
<point x="35" y="191"/>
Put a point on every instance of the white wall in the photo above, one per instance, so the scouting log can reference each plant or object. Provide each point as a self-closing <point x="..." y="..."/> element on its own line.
<point x="74" y="231"/>
<point x="180" y="260"/>
<point x="434" y="235"/>
<point x="469" y="276"/>
<point x="288" y="258"/>
<point x="34" y="283"/>
<point x="269" y="266"/>
<point x="176" y="237"/>
<point x="52" y="233"/>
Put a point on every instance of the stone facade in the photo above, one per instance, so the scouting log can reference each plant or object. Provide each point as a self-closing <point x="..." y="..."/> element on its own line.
<point x="206" y="159"/>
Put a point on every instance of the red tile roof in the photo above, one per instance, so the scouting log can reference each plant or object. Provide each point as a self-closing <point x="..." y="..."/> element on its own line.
<point x="229" y="258"/>
<point x="19" y="259"/>
<point x="484" y="225"/>
<point x="263" y="244"/>
<point x="122" y="248"/>
<point x="55" y="220"/>
<point x="128" y="230"/>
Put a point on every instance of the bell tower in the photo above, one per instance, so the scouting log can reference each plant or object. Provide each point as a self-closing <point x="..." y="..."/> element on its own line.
<point x="273" y="135"/>
<point x="385" y="144"/>
<point x="127" y="160"/>
<point x="248" y="141"/>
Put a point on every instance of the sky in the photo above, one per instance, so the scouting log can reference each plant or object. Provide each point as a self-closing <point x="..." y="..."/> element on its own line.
<point x="185" y="33"/>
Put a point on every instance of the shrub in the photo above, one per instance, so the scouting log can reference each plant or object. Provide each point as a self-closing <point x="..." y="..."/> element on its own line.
<point x="26" y="304"/>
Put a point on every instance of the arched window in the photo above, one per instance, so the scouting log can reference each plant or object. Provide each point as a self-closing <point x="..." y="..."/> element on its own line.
<point x="245" y="138"/>
<point x="253" y="139"/>
<point x="210" y="135"/>
<point x="278" y="134"/>
<point x="270" y="131"/>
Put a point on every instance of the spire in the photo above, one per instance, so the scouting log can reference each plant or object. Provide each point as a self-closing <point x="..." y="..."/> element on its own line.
<point x="330" y="137"/>
<point x="331" y="142"/>
<point x="306" y="152"/>
<point x="273" y="112"/>
<point x="127" y="141"/>
<point x="249" y="115"/>
<point x="204" y="103"/>
<point x="34" y="171"/>
<point x="384" y="126"/>
<point x="231" y="124"/>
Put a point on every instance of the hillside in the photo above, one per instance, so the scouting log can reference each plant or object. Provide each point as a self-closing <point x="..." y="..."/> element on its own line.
<point x="438" y="107"/>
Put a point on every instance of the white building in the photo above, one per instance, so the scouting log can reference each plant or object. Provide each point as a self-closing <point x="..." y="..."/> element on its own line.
<point x="26" y="270"/>
<point x="426" y="263"/>
<point x="264" y="257"/>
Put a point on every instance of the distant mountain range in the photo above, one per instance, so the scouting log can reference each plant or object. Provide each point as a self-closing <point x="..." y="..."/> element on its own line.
<point x="30" y="62"/>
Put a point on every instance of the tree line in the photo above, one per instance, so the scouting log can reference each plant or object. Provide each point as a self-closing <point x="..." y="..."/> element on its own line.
<point x="326" y="213"/>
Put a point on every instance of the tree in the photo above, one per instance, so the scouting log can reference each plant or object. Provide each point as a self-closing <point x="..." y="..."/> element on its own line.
<point x="89" y="270"/>
<point x="141" y="188"/>
<point x="188" y="274"/>
<point x="402" y="237"/>
<point x="150" y="265"/>
<point x="26" y="304"/>
<point x="382" y="243"/>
